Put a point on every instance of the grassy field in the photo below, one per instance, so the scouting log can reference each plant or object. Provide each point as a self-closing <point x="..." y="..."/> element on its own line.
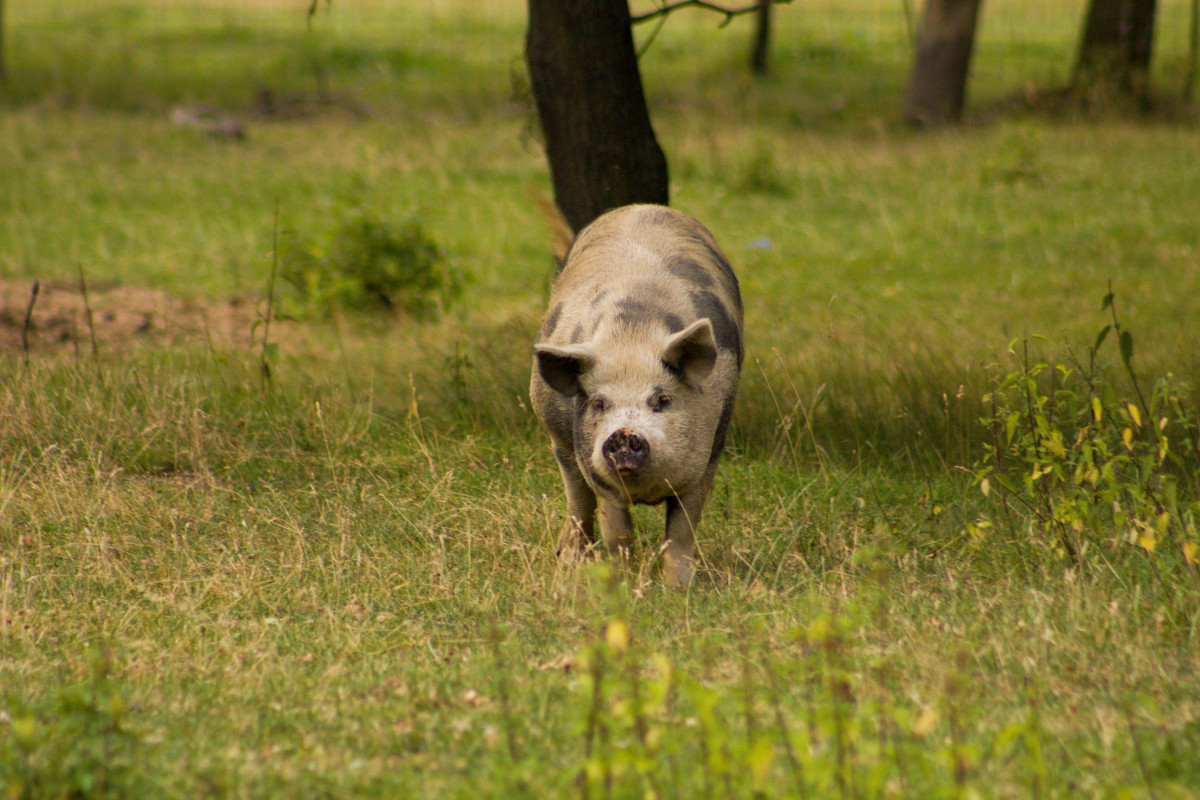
<point x="315" y="558"/>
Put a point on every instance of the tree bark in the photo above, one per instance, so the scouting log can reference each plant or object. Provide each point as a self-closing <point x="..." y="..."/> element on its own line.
<point x="588" y="90"/>
<point x="761" y="51"/>
<point x="937" y="88"/>
<point x="1115" y="50"/>
<point x="3" y="73"/>
<point x="1189" y="82"/>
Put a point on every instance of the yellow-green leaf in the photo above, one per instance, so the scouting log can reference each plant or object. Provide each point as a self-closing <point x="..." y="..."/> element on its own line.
<point x="1189" y="553"/>
<point x="1134" y="414"/>
<point x="1097" y="409"/>
<point x="1127" y="438"/>
<point x="1010" y="427"/>
<point x="1147" y="542"/>
<point x="1054" y="444"/>
<point x="616" y="634"/>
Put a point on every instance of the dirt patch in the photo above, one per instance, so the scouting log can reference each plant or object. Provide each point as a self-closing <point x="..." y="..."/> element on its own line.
<point x="122" y="317"/>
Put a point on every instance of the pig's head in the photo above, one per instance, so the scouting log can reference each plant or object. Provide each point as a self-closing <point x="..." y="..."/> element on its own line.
<point x="641" y="420"/>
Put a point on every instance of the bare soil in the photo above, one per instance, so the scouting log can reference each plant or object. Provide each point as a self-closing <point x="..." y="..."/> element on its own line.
<point x="121" y="318"/>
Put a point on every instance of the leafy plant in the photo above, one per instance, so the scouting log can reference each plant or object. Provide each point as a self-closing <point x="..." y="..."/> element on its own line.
<point x="78" y="747"/>
<point x="366" y="263"/>
<point x="802" y="727"/>
<point x="1089" y="466"/>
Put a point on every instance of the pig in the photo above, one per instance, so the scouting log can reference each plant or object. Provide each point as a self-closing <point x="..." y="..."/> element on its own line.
<point x="634" y="376"/>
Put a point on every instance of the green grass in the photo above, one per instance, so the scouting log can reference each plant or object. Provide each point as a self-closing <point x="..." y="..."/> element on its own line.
<point x="341" y="581"/>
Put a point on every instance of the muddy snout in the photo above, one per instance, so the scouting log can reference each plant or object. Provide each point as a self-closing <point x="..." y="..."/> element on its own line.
<point x="626" y="451"/>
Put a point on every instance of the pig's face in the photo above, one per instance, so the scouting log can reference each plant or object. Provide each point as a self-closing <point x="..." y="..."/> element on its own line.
<point x="641" y="429"/>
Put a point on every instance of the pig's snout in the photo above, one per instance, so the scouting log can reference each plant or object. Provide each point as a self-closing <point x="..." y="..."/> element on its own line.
<point x="626" y="451"/>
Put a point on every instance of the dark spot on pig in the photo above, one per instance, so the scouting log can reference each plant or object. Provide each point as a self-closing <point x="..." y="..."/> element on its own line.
<point x="663" y="217"/>
<point x="725" y="330"/>
<point x="730" y="279"/>
<point x="722" y="429"/>
<point x="551" y="321"/>
<point x="689" y="270"/>
<point x="632" y="311"/>
<point x="695" y="234"/>
<point x="577" y="334"/>
<point x="597" y="297"/>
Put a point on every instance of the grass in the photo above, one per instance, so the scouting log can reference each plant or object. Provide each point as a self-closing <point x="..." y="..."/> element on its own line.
<point x="341" y="581"/>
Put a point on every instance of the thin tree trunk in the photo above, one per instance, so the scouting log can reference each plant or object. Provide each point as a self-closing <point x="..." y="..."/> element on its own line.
<point x="1189" y="83"/>
<point x="3" y="72"/>
<point x="588" y="90"/>
<point x="937" y="88"/>
<point x="761" y="52"/>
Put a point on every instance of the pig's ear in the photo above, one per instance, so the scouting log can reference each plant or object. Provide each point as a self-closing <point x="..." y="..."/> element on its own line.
<point x="561" y="366"/>
<point x="692" y="352"/>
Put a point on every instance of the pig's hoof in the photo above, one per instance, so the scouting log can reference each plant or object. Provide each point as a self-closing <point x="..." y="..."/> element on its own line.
<point x="677" y="573"/>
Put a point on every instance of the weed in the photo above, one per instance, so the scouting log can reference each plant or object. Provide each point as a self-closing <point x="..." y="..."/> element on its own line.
<point x="817" y="726"/>
<point x="75" y="744"/>
<point x="1089" y="468"/>
<point x="364" y="263"/>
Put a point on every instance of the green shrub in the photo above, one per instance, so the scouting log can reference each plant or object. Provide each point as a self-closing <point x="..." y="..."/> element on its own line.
<point x="364" y="263"/>
<point x="1089" y="467"/>
<point x="75" y="745"/>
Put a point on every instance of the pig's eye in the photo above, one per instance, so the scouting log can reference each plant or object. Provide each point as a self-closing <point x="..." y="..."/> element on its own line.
<point x="659" y="402"/>
<point x="597" y="404"/>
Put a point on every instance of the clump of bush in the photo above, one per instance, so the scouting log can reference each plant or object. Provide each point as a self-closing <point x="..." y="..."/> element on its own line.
<point x="1093" y="468"/>
<point x="365" y="263"/>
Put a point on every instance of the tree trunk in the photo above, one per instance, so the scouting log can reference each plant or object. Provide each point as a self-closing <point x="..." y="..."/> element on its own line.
<point x="1114" y="53"/>
<point x="761" y="51"/>
<point x="937" y="88"/>
<point x="584" y="74"/>
<point x="3" y="74"/>
<point x="1189" y="82"/>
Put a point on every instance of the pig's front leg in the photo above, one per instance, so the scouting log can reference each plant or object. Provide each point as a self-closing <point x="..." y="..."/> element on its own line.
<point x="683" y="517"/>
<point x="616" y="527"/>
<point x="579" y="533"/>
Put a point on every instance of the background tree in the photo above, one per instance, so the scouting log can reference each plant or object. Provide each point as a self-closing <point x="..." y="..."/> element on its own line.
<point x="588" y="90"/>
<point x="1189" y="82"/>
<point x="1115" y="49"/>
<point x="760" y="51"/>
<point x="937" y="87"/>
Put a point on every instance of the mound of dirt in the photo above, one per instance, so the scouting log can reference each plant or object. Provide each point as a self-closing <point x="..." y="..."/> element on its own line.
<point x="122" y="317"/>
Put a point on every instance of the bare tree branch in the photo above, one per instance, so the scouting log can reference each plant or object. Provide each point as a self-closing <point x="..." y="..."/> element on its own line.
<point x="729" y="13"/>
